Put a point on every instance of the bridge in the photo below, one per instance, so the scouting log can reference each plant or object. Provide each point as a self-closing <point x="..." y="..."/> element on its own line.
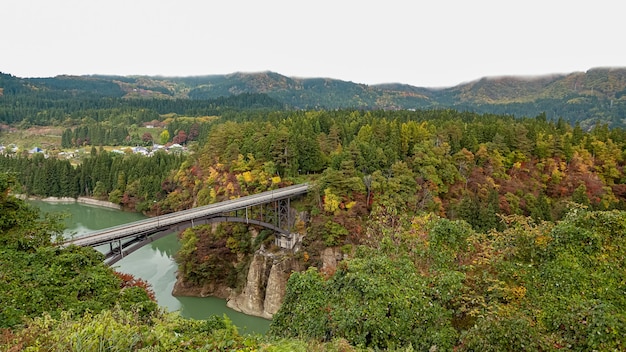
<point x="270" y="209"/>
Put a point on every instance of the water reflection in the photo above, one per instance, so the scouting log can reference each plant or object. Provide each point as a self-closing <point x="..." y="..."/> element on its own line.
<point x="154" y="263"/>
<point x="168" y="247"/>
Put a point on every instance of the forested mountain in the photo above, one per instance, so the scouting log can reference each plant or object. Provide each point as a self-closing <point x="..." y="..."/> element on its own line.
<point x="585" y="97"/>
<point x="462" y="231"/>
<point x="435" y="229"/>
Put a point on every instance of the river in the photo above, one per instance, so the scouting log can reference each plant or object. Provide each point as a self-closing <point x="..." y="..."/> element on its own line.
<point x="153" y="263"/>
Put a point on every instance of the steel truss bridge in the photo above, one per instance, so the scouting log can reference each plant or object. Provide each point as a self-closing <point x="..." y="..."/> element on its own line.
<point x="270" y="209"/>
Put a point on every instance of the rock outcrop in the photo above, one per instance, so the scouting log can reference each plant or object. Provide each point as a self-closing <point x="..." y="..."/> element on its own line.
<point x="182" y="288"/>
<point x="266" y="282"/>
<point x="264" y="289"/>
<point x="277" y="284"/>
<point x="265" y="286"/>
<point x="330" y="257"/>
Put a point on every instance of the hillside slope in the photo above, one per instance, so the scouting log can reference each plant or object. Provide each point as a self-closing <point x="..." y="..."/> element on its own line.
<point x="598" y="95"/>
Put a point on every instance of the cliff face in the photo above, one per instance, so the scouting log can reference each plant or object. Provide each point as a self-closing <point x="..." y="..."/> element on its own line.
<point x="182" y="288"/>
<point x="266" y="282"/>
<point x="265" y="286"/>
<point x="263" y="292"/>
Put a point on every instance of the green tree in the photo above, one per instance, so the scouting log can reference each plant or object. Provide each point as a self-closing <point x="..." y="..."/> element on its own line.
<point x="398" y="191"/>
<point x="39" y="277"/>
<point x="373" y="301"/>
<point x="66" y="139"/>
<point x="164" y="137"/>
<point x="580" y="195"/>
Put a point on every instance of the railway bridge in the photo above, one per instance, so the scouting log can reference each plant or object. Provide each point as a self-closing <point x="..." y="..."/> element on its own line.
<point x="268" y="209"/>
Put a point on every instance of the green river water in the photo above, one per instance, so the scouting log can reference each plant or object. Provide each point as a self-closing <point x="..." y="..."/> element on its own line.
<point x="153" y="263"/>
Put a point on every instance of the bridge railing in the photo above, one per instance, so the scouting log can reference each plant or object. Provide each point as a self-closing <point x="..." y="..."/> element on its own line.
<point x="164" y="221"/>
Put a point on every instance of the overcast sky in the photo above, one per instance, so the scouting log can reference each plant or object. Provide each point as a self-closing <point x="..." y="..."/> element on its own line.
<point x="422" y="43"/>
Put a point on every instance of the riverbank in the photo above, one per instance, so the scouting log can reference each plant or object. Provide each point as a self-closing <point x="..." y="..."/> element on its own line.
<point x="68" y="200"/>
<point x="99" y="203"/>
<point x="153" y="263"/>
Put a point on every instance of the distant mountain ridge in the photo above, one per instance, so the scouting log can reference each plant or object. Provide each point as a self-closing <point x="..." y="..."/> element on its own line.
<point x="597" y="95"/>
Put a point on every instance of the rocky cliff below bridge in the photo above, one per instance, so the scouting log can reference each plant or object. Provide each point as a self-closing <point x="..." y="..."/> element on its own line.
<point x="264" y="290"/>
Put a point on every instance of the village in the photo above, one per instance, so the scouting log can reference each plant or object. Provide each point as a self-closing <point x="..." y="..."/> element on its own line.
<point x="174" y="148"/>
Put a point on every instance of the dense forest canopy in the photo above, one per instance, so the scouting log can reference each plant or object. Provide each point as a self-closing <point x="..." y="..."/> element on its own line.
<point x="597" y="95"/>
<point x="39" y="277"/>
<point x="460" y="164"/>
<point x="458" y="230"/>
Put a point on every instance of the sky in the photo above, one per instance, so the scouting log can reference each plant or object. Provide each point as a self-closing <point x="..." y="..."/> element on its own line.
<point x="422" y="43"/>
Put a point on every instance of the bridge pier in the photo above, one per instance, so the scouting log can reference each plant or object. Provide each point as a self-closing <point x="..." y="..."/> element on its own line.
<point x="276" y="212"/>
<point x="287" y="241"/>
<point x="119" y="249"/>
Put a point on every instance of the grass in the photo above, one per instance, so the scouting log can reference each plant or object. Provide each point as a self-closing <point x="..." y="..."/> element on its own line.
<point x="43" y="137"/>
<point x="49" y="138"/>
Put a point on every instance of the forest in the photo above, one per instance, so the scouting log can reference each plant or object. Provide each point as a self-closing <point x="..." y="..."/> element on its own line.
<point x="460" y="231"/>
<point x="597" y="95"/>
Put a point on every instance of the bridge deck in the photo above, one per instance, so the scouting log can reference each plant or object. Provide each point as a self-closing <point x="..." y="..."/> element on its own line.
<point x="164" y="222"/>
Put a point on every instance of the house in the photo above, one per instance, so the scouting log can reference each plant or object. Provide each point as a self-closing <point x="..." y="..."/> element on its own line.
<point x="141" y="150"/>
<point x="176" y="148"/>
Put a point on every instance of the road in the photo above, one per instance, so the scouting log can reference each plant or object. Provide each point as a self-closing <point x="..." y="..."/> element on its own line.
<point x="163" y="222"/>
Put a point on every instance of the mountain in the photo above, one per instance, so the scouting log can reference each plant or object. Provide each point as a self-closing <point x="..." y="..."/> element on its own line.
<point x="597" y="95"/>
